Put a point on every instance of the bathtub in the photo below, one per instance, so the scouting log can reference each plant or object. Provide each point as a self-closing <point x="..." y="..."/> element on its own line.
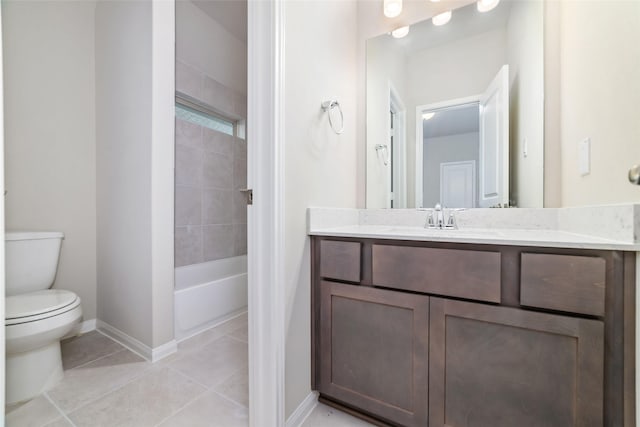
<point x="209" y="293"/>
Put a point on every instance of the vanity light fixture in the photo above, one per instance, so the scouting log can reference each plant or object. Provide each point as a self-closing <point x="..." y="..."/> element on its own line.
<point x="392" y="8"/>
<point x="401" y="32"/>
<point x="487" y="5"/>
<point x="442" y="18"/>
<point x="428" y="116"/>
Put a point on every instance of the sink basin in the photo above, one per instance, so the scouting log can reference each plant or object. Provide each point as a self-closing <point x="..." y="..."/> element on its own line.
<point x="444" y="232"/>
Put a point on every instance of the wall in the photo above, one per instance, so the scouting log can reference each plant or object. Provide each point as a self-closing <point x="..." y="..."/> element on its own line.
<point x="386" y="65"/>
<point x="525" y="54"/>
<point x="206" y="46"/>
<point x="600" y="99"/>
<point x="320" y="166"/>
<point x="452" y="148"/>
<point x="134" y="136"/>
<point x="50" y="144"/>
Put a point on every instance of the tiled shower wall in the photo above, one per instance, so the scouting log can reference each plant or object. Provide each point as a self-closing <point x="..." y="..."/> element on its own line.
<point x="210" y="212"/>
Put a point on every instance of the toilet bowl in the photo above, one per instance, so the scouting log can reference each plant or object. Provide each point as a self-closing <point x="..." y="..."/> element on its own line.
<point x="35" y="320"/>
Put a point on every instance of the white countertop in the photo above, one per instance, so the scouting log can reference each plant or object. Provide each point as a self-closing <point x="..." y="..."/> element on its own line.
<point x="491" y="235"/>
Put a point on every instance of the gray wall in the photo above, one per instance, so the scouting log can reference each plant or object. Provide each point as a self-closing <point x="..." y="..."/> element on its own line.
<point x="453" y="148"/>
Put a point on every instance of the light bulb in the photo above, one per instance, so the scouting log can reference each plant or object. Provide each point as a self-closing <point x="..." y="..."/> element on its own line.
<point x="487" y="5"/>
<point x="392" y="8"/>
<point x="428" y="116"/>
<point x="401" y="32"/>
<point x="442" y="18"/>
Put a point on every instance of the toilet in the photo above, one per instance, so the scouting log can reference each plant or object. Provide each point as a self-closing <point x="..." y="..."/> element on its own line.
<point x="36" y="317"/>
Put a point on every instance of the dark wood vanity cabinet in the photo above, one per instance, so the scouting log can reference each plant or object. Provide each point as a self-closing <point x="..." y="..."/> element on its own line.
<point x="505" y="367"/>
<point x="374" y="350"/>
<point x="461" y="335"/>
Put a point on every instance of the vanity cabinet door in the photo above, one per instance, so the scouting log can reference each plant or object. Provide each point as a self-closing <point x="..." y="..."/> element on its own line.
<point x="374" y="351"/>
<point x="502" y="367"/>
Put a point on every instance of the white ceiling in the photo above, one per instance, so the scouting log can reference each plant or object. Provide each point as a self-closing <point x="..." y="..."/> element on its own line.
<point x="452" y="121"/>
<point x="230" y="14"/>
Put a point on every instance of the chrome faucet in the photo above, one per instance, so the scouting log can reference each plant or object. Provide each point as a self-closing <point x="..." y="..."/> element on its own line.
<point x="436" y="219"/>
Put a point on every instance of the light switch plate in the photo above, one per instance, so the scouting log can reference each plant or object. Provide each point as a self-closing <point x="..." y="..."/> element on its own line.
<point x="525" y="147"/>
<point x="584" y="156"/>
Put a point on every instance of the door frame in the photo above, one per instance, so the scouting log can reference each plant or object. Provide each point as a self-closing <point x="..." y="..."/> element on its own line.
<point x="2" y="225"/>
<point x="399" y="148"/>
<point x="265" y="218"/>
<point x="419" y="136"/>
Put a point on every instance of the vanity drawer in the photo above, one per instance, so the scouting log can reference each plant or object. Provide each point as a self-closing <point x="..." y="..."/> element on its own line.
<point x="569" y="283"/>
<point x="340" y="260"/>
<point x="450" y="272"/>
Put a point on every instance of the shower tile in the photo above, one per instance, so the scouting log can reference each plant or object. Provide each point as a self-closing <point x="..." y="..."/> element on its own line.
<point x="188" y="80"/>
<point x="188" y="205"/>
<point x="36" y="412"/>
<point x="240" y="235"/>
<point x="240" y="164"/>
<point x="241" y="105"/>
<point x="188" y="166"/>
<point x="145" y="401"/>
<point x="219" y="242"/>
<point x="217" y="171"/>
<point x="214" y="362"/>
<point x="188" y="134"/>
<point x="217" y="206"/>
<point x="218" y="142"/>
<point x="88" y="382"/>
<point x="188" y="245"/>
<point x="218" y="96"/>
<point x="86" y="348"/>
<point x="239" y="208"/>
<point x="210" y="410"/>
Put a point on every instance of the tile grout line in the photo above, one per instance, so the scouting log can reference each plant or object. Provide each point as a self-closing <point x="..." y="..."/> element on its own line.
<point x="64" y="415"/>
<point x="230" y="400"/>
<point x="182" y="407"/>
<point x="99" y="358"/>
<point x="113" y="390"/>
<point x="237" y="339"/>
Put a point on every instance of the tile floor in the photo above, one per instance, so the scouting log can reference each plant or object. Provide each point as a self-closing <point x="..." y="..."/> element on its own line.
<point x="204" y="384"/>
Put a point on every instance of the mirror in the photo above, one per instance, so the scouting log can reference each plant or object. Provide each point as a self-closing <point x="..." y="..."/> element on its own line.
<point x="462" y="90"/>
<point x="573" y="82"/>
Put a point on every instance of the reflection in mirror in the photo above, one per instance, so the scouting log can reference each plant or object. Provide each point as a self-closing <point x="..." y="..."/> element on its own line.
<point x="493" y="60"/>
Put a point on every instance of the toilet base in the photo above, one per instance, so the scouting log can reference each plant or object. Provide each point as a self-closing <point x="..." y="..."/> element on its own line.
<point x="33" y="372"/>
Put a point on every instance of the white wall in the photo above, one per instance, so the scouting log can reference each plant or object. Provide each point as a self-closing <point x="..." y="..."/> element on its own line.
<point x="320" y="166"/>
<point x="386" y="65"/>
<point x="525" y="53"/>
<point x="204" y="44"/>
<point x="134" y="97"/>
<point x="450" y="148"/>
<point x="50" y="132"/>
<point x="600" y="99"/>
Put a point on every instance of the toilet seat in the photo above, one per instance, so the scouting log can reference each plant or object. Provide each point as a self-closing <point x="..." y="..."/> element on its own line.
<point x="34" y="306"/>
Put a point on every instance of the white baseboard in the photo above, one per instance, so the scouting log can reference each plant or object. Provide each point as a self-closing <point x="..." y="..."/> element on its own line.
<point x="141" y="349"/>
<point x="303" y="410"/>
<point x="87" y="326"/>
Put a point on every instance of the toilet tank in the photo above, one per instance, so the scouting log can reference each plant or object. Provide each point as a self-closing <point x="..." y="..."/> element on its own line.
<point x="31" y="260"/>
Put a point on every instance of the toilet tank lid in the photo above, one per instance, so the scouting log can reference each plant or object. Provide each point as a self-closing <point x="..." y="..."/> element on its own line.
<point x="32" y="235"/>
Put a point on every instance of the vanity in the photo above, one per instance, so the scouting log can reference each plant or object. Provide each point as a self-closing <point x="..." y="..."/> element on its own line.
<point x="472" y="327"/>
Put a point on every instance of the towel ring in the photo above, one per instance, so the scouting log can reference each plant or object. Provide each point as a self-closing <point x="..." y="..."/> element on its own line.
<point x="385" y="148"/>
<point x="328" y="106"/>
